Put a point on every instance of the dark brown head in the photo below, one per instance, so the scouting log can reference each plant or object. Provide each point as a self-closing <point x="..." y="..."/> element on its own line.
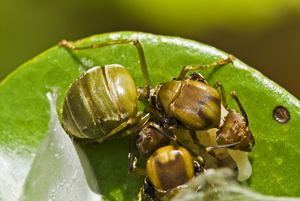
<point x="234" y="133"/>
<point x="149" y="140"/>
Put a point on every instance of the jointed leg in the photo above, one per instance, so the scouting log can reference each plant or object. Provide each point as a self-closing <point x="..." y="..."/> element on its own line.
<point x="196" y="141"/>
<point x="223" y="94"/>
<point x="237" y="100"/>
<point x="139" y="196"/>
<point x="141" y="120"/>
<point x="231" y="145"/>
<point x="139" y="172"/>
<point x="117" y="129"/>
<point x="194" y="67"/>
<point x="132" y="162"/>
<point x="136" y="43"/>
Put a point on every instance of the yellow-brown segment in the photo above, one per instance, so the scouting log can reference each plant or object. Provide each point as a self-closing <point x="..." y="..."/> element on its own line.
<point x="195" y="104"/>
<point x="170" y="167"/>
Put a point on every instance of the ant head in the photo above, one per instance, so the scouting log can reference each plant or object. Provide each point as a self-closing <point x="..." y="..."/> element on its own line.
<point x="234" y="133"/>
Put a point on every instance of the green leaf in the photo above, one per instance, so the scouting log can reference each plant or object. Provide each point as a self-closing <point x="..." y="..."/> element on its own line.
<point x="26" y="111"/>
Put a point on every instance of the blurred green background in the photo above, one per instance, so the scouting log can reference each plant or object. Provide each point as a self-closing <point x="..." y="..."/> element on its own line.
<point x="263" y="34"/>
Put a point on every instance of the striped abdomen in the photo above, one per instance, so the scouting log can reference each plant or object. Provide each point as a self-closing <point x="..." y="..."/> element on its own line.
<point x="99" y="101"/>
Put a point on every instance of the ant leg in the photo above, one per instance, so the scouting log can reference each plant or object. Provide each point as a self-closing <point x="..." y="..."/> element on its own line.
<point x="196" y="141"/>
<point x="141" y="120"/>
<point x="139" y="172"/>
<point x="223" y="94"/>
<point x="231" y="145"/>
<point x="136" y="43"/>
<point x="132" y="162"/>
<point x="140" y="123"/>
<point x="171" y="138"/>
<point x="237" y="100"/>
<point x="139" y="196"/>
<point x="144" y="92"/>
<point x="130" y="156"/>
<point x="194" y="67"/>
